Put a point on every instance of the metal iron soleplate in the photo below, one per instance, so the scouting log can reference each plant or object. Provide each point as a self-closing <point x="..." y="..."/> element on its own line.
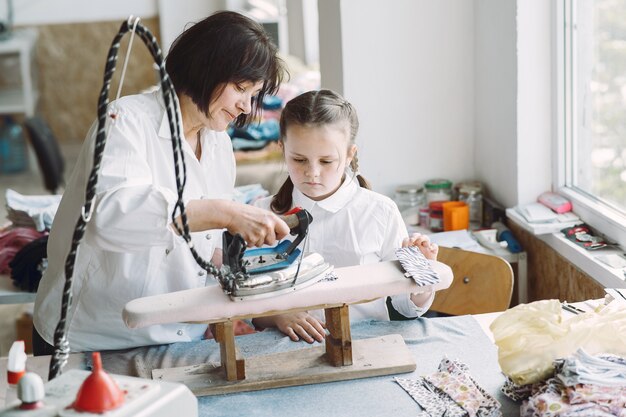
<point x="312" y="270"/>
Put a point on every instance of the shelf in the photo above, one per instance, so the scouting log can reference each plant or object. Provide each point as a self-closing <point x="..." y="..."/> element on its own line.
<point x="22" y="98"/>
<point x="12" y="100"/>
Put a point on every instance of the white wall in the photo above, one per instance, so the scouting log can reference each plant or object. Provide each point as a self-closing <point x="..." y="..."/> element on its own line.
<point x="408" y="67"/>
<point x="534" y="103"/>
<point x="44" y="12"/>
<point x="175" y="16"/>
<point x="495" y="99"/>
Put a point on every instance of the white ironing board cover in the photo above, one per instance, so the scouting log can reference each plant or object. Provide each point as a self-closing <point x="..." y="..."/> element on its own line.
<point x="355" y="284"/>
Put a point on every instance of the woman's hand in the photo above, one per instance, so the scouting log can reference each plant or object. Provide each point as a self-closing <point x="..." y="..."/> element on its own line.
<point x="258" y="227"/>
<point x="428" y="249"/>
<point x="295" y="325"/>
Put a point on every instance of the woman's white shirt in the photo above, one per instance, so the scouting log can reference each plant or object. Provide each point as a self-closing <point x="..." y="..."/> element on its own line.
<point x="356" y="226"/>
<point x="129" y="249"/>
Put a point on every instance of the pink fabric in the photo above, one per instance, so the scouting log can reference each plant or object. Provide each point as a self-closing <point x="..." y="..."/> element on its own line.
<point x="12" y="239"/>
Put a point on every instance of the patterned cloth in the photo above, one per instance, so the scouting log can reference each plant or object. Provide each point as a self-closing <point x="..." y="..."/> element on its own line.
<point x="416" y="266"/>
<point x="582" y="385"/>
<point x="450" y="392"/>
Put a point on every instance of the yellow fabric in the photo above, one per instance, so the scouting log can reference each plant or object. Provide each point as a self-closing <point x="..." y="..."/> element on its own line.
<point x="531" y="336"/>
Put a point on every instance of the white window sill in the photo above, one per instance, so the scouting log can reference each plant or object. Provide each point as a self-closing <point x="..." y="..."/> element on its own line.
<point x="586" y="260"/>
<point x="583" y="259"/>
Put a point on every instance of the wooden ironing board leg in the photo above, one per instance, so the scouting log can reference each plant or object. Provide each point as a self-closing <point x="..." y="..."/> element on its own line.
<point x="339" y="341"/>
<point x="234" y="368"/>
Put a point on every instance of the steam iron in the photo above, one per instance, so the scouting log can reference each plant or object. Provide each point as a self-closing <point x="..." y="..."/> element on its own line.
<point x="266" y="272"/>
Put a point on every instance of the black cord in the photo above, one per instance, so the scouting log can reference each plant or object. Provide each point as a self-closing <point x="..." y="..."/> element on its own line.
<point x="226" y="278"/>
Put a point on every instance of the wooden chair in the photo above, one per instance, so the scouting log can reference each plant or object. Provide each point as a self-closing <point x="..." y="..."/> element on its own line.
<point x="482" y="283"/>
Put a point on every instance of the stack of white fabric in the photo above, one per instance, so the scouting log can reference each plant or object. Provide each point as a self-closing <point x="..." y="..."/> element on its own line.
<point x="31" y="211"/>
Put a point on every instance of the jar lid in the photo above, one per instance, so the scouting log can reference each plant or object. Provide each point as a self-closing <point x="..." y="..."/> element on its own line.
<point x="409" y="189"/>
<point x="437" y="184"/>
<point x="470" y="189"/>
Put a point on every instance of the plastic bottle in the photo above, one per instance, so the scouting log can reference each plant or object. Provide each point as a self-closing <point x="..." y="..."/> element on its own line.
<point x="13" y="156"/>
<point x="16" y="367"/>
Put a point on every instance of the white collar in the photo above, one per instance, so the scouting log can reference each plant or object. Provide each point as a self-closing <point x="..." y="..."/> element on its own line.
<point x="164" y="129"/>
<point x="338" y="200"/>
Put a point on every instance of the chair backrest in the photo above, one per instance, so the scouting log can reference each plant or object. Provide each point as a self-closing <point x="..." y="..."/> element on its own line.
<point x="48" y="153"/>
<point x="482" y="283"/>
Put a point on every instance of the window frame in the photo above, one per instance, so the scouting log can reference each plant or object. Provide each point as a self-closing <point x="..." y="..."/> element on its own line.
<point x="605" y="219"/>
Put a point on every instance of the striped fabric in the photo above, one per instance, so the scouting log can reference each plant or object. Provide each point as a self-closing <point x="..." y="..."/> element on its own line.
<point x="416" y="266"/>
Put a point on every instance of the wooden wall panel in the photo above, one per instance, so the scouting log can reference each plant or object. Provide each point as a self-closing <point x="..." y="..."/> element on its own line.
<point x="550" y="275"/>
<point x="70" y="61"/>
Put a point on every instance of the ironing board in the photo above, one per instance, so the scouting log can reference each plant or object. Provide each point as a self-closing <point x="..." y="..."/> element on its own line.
<point x="340" y="358"/>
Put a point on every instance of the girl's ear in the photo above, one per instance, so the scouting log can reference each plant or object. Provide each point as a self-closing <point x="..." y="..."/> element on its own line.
<point x="351" y="153"/>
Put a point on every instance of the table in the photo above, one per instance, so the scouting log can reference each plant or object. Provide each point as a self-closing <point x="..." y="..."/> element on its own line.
<point x="9" y="294"/>
<point x="428" y="340"/>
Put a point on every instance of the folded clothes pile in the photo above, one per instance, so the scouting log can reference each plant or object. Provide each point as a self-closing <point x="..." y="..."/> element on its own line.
<point x="450" y="392"/>
<point x="582" y="385"/>
<point x="12" y="240"/>
<point x="36" y="211"/>
<point x="254" y="136"/>
<point x="23" y="242"/>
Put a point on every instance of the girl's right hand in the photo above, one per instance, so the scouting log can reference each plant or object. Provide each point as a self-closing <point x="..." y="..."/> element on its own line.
<point x="295" y="325"/>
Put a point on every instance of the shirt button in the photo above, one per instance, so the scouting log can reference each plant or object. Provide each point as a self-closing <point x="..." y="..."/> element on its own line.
<point x="167" y="251"/>
<point x="200" y="273"/>
<point x="208" y="236"/>
<point x="180" y="332"/>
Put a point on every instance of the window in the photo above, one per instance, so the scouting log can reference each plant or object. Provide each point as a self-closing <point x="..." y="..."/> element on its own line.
<point x="591" y="77"/>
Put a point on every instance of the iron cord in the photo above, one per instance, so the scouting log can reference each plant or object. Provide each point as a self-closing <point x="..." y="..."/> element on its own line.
<point x="225" y="277"/>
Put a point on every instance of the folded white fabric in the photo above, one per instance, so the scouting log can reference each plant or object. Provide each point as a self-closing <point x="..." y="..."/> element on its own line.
<point x="35" y="211"/>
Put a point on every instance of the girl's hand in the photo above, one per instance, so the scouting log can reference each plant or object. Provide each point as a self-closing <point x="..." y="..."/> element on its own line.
<point x="428" y="249"/>
<point x="296" y="326"/>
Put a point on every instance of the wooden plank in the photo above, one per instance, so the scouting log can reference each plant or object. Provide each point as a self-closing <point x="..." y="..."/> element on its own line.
<point x="371" y="357"/>
<point x="234" y="368"/>
<point x="339" y="340"/>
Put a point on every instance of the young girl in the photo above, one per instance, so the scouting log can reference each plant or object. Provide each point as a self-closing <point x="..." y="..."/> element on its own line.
<point x="352" y="225"/>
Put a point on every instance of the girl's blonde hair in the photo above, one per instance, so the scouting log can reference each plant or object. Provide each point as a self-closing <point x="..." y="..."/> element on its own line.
<point x="312" y="109"/>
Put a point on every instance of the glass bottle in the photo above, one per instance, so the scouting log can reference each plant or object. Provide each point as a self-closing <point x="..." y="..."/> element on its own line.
<point x="471" y="194"/>
<point x="409" y="198"/>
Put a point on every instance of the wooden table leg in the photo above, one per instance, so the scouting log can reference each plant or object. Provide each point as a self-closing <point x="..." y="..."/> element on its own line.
<point x="339" y="341"/>
<point x="235" y="368"/>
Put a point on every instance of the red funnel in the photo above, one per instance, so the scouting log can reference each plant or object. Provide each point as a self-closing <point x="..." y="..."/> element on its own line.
<point x="99" y="392"/>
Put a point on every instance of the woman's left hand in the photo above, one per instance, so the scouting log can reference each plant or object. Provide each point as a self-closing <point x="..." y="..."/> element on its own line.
<point x="428" y="249"/>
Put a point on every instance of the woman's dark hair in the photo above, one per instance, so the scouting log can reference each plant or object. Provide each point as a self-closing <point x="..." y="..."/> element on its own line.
<point x="312" y="109"/>
<point x="225" y="47"/>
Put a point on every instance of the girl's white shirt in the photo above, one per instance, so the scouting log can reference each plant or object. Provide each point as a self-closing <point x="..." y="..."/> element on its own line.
<point x="356" y="226"/>
<point x="129" y="249"/>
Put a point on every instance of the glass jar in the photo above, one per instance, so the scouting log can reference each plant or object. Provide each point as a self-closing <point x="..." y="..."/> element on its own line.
<point x="409" y="198"/>
<point x="472" y="195"/>
<point x="435" y="219"/>
<point x="438" y="190"/>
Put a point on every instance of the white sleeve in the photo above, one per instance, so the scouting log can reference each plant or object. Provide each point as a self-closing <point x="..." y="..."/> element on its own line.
<point x="130" y="211"/>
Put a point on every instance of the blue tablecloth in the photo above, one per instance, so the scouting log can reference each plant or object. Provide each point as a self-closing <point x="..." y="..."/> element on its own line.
<point x="429" y="339"/>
